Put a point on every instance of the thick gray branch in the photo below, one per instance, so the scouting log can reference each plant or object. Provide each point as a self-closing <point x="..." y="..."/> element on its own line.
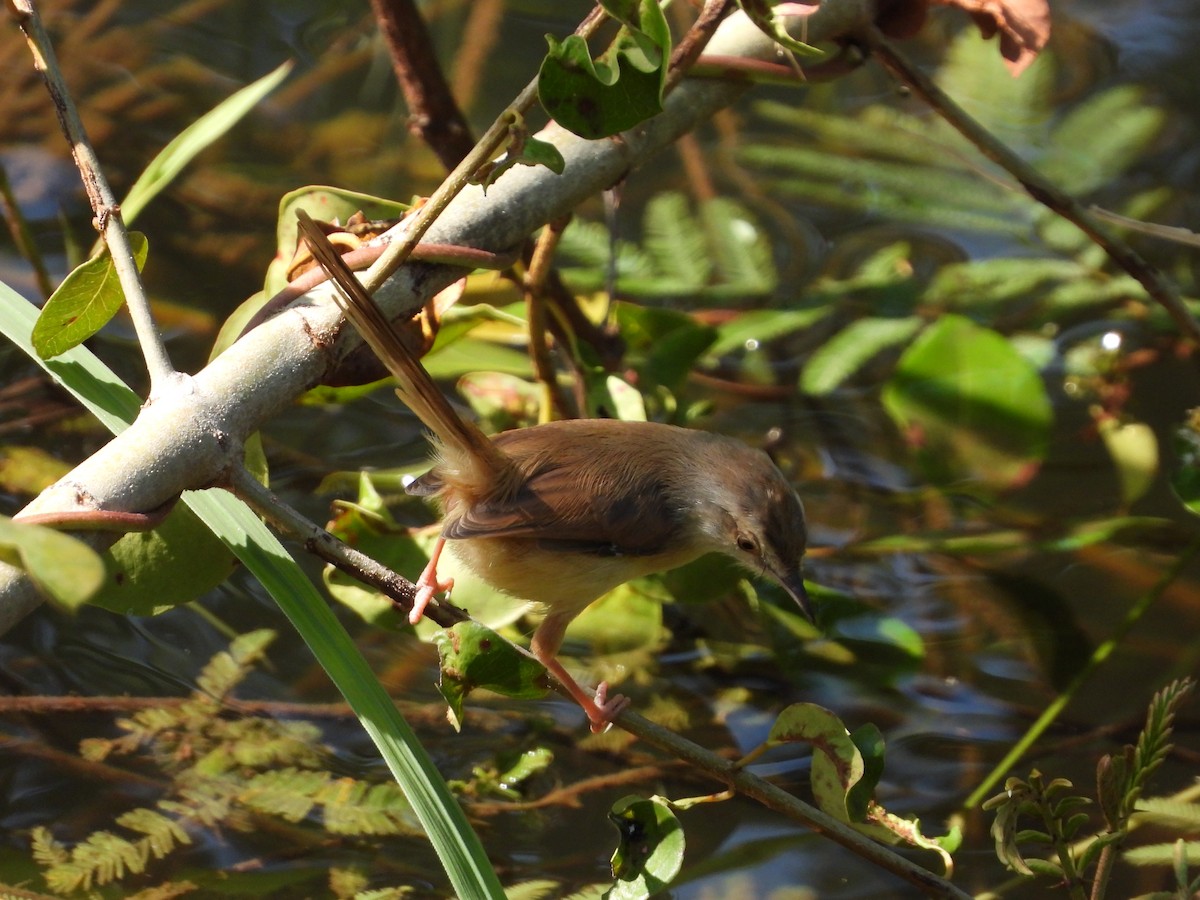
<point x="193" y="436"/>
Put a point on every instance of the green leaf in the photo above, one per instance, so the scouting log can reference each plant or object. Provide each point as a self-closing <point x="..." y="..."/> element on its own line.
<point x="542" y="153"/>
<point x="1133" y="447"/>
<point x="522" y="150"/>
<point x="475" y="355"/>
<point x="740" y="249"/>
<point x="65" y="569"/>
<point x="528" y="763"/>
<point x="150" y="572"/>
<point x="757" y="326"/>
<point x="763" y="15"/>
<point x="869" y="741"/>
<point x="1004" y="827"/>
<point x="650" y="852"/>
<point x="1045" y="868"/>
<point x="190" y="142"/>
<point x="629" y="617"/>
<point x="597" y="99"/>
<point x="663" y="343"/>
<point x="837" y="764"/>
<point x="971" y="406"/>
<point x="85" y="301"/>
<point x="1185" y="479"/>
<point x="892" y="828"/>
<point x="29" y="470"/>
<point x="473" y="656"/>
<point x="852" y="348"/>
<point x="618" y="399"/>
<point x="879" y="638"/>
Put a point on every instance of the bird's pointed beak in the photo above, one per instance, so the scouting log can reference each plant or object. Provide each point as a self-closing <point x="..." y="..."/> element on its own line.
<point x="793" y="582"/>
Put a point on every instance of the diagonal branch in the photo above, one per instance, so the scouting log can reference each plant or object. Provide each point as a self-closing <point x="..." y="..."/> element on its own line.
<point x="1037" y="186"/>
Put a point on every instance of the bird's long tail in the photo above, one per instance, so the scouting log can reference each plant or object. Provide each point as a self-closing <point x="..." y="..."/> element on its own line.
<point x="413" y="384"/>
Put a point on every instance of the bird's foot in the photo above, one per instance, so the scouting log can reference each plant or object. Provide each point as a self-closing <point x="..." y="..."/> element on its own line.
<point x="428" y="585"/>
<point x="427" y="589"/>
<point x="602" y="710"/>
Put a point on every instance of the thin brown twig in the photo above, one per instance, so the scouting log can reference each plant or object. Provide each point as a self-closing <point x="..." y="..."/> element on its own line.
<point x="434" y="116"/>
<point x="568" y="795"/>
<point x="535" y="305"/>
<point x="1036" y="185"/>
<point x="731" y="773"/>
<point x="63" y="763"/>
<point x="103" y="202"/>
<point x="692" y="44"/>
<point x="480" y="34"/>
<point x="22" y="237"/>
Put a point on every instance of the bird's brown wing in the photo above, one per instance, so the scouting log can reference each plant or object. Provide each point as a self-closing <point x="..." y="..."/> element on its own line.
<point x="578" y="495"/>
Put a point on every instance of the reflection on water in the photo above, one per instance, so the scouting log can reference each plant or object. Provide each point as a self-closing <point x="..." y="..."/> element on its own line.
<point x="999" y="634"/>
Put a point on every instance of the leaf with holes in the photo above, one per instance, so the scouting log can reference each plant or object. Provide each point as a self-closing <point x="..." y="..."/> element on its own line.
<point x="599" y="98"/>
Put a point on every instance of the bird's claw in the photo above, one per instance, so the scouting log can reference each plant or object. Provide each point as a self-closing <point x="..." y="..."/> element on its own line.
<point x="605" y="709"/>
<point x="427" y="589"/>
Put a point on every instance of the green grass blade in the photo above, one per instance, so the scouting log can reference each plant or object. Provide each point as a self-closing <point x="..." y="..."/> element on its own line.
<point x="457" y="846"/>
<point x="190" y="142"/>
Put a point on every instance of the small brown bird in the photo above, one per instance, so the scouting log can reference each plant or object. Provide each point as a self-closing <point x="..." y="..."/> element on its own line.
<point x="561" y="513"/>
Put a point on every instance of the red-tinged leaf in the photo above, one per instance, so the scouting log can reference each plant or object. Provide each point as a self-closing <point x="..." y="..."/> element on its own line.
<point x="1023" y="26"/>
<point x="837" y="763"/>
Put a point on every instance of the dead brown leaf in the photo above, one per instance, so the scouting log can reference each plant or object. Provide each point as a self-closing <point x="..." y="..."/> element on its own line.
<point x="1023" y="25"/>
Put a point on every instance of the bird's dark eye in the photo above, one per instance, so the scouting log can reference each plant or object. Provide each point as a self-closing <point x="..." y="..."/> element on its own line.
<point x="747" y="544"/>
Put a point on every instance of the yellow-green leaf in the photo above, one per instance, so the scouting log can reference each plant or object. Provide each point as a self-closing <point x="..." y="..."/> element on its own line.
<point x="66" y="570"/>
<point x="83" y="304"/>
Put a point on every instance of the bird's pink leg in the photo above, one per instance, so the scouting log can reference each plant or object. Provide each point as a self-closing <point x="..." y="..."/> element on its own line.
<point x="600" y="709"/>
<point x="428" y="584"/>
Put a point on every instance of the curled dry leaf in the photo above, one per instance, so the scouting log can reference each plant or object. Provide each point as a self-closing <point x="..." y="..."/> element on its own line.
<point x="1023" y="25"/>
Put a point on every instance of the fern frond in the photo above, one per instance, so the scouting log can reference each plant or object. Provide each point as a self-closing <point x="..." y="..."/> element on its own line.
<point x="226" y="670"/>
<point x="1160" y="854"/>
<point x="168" y="890"/>
<point x="102" y="858"/>
<point x="741" y="250"/>
<point x="46" y="850"/>
<point x="1153" y="743"/>
<point x="162" y="835"/>
<point x="264" y="743"/>
<point x="288" y="793"/>
<point x="1173" y="813"/>
<point x="675" y="241"/>
<point x="357" y="808"/>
